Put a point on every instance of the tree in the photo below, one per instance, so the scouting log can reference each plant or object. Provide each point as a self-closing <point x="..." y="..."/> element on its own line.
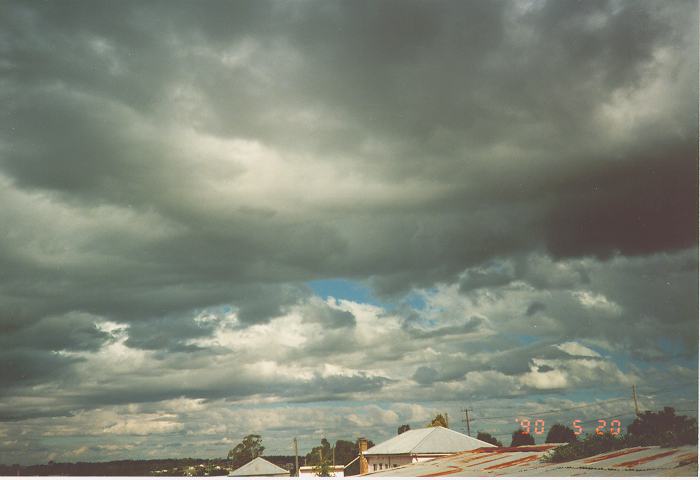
<point x="488" y="438"/>
<point x="323" y="468"/>
<point x="664" y="428"/>
<point x="354" y="469"/>
<point x="250" y="447"/>
<point x="404" y="428"/>
<point x="522" y="438"/>
<point x="560" y="434"/>
<point x="345" y="452"/>
<point x="319" y="454"/>
<point x="438" y="421"/>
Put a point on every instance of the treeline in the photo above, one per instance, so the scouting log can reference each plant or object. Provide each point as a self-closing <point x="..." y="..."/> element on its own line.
<point x="174" y="467"/>
<point x="663" y="428"/>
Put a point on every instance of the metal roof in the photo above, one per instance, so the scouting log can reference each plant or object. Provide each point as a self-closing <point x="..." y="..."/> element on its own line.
<point x="525" y="461"/>
<point x="426" y="441"/>
<point x="259" y="467"/>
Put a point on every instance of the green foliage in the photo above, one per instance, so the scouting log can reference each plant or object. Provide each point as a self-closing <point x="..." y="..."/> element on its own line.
<point x="664" y="428"/>
<point x="438" y="421"/>
<point x="323" y="468"/>
<point x="353" y="469"/>
<point x="319" y="454"/>
<point x="121" y="468"/>
<point x="488" y="438"/>
<point x="560" y="434"/>
<point x="521" y="438"/>
<point x="250" y="447"/>
<point x="591" y="445"/>
<point x="345" y="452"/>
<point x="404" y="428"/>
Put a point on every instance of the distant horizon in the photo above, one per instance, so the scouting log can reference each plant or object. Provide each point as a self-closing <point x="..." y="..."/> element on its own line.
<point x="321" y="218"/>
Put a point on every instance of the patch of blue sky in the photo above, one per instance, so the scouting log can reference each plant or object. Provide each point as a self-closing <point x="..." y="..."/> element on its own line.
<point x="527" y="339"/>
<point x="342" y="289"/>
<point x="416" y="300"/>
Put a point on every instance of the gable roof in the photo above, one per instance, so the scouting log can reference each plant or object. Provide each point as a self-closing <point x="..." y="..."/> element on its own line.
<point x="258" y="467"/>
<point x="427" y="440"/>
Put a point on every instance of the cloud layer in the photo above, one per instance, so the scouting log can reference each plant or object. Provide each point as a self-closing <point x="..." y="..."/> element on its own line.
<point x="514" y="182"/>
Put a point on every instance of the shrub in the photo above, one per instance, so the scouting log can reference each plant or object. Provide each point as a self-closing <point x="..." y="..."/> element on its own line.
<point x="488" y="438"/>
<point x="521" y="438"/>
<point x="560" y="434"/>
<point x="664" y="428"/>
<point x="591" y="445"/>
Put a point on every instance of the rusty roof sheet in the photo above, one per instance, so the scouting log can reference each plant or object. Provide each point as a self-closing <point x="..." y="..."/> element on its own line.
<point x="526" y="461"/>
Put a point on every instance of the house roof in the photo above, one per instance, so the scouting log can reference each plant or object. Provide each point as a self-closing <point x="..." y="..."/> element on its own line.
<point x="258" y="467"/>
<point x="525" y="461"/>
<point x="427" y="440"/>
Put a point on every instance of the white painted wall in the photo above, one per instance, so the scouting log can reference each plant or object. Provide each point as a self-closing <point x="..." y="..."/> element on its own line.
<point x="384" y="462"/>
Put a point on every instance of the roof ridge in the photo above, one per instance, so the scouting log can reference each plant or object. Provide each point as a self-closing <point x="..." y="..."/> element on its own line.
<point x="432" y="430"/>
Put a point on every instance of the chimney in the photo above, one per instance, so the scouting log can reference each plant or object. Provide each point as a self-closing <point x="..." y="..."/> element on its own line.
<point x="362" y="447"/>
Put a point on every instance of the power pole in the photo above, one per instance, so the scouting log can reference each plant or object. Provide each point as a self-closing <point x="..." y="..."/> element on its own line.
<point x="334" y="457"/>
<point x="447" y="421"/>
<point x="296" y="457"/>
<point x="634" y="396"/>
<point x="466" y="419"/>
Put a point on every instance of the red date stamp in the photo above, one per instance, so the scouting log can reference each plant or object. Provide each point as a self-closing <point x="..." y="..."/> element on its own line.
<point x="538" y="426"/>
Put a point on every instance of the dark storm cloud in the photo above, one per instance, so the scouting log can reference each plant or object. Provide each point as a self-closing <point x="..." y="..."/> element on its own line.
<point x="167" y="333"/>
<point x="640" y="206"/>
<point x="29" y="366"/>
<point x="384" y="83"/>
<point x="30" y="350"/>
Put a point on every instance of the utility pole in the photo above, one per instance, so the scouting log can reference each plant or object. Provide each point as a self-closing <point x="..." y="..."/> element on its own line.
<point x="334" y="457"/>
<point x="466" y="419"/>
<point x="634" y="396"/>
<point x="296" y="457"/>
<point x="447" y="421"/>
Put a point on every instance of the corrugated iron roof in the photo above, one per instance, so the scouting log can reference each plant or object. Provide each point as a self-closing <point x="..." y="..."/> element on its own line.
<point x="526" y="461"/>
<point x="425" y="441"/>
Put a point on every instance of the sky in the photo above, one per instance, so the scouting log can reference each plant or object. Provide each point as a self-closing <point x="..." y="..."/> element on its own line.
<point x="328" y="219"/>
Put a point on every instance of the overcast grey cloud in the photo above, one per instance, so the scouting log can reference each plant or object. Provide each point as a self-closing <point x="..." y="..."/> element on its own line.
<point x="514" y="183"/>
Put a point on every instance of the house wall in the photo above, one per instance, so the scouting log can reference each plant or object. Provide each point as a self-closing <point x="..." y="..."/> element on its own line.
<point x="383" y="462"/>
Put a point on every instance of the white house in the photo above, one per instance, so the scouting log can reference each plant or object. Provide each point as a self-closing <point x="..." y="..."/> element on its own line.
<point x="259" y="467"/>
<point x="419" y="445"/>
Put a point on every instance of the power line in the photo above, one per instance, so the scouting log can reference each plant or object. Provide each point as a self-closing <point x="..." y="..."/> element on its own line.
<point x="689" y="382"/>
